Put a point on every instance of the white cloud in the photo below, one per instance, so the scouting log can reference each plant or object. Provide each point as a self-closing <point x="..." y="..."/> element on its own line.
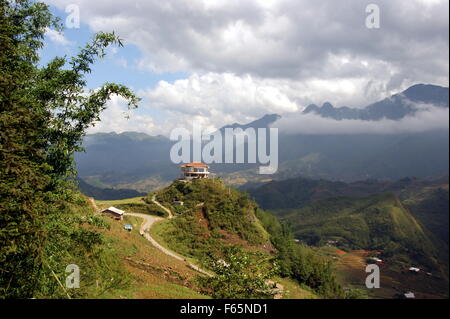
<point x="426" y="118"/>
<point x="248" y="58"/>
<point x="217" y="99"/>
<point x="57" y="37"/>
<point x="296" y="39"/>
<point x="117" y="118"/>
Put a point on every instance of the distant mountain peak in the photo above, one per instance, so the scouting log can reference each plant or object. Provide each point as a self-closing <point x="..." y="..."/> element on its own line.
<point x="393" y="107"/>
<point x="327" y="106"/>
<point x="310" y="108"/>
<point x="262" y="122"/>
<point x="427" y="93"/>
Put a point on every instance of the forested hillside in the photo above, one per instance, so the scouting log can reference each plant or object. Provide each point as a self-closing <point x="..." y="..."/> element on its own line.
<point x="407" y="220"/>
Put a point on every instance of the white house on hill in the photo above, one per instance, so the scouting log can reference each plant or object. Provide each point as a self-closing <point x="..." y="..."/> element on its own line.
<point x="194" y="170"/>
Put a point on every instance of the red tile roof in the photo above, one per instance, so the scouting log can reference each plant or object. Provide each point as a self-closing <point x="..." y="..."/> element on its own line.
<point x="195" y="164"/>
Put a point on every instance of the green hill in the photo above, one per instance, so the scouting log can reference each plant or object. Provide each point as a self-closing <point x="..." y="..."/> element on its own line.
<point x="378" y="222"/>
<point x="430" y="206"/>
<point x="211" y="218"/>
<point x="407" y="219"/>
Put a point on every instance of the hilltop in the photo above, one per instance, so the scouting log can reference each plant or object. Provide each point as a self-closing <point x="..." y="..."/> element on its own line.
<point x="211" y="218"/>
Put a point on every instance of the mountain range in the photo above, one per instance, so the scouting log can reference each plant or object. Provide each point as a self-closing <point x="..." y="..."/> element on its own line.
<point x="395" y="107"/>
<point x="138" y="161"/>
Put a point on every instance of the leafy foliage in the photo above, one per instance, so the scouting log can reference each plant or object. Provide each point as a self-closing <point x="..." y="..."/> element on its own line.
<point x="44" y="114"/>
<point x="299" y="261"/>
<point x="239" y="274"/>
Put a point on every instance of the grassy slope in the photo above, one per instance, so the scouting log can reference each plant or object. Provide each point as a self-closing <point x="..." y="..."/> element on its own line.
<point x="292" y="289"/>
<point x="153" y="274"/>
<point x="106" y="203"/>
<point x="148" y="266"/>
<point x="136" y="204"/>
<point x="123" y="264"/>
<point x="430" y="206"/>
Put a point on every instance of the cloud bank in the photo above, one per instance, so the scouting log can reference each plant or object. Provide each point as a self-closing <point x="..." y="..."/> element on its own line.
<point x="427" y="118"/>
<point x="248" y="58"/>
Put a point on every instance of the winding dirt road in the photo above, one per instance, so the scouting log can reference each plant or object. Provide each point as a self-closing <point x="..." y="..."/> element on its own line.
<point x="146" y="225"/>
<point x="169" y="213"/>
<point x="149" y="220"/>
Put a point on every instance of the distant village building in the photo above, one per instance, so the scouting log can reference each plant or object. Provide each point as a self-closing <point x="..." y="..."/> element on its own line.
<point x="194" y="170"/>
<point x="414" y="269"/>
<point x="409" y="295"/>
<point x="375" y="259"/>
<point x="113" y="212"/>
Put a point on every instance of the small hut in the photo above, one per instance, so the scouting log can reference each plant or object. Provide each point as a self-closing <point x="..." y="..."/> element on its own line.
<point x="113" y="212"/>
<point x="409" y="295"/>
<point x="414" y="269"/>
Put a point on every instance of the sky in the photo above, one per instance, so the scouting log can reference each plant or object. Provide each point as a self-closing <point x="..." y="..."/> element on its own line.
<point x="226" y="61"/>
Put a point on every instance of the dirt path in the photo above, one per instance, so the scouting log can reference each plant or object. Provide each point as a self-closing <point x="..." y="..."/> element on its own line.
<point x="94" y="205"/>
<point x="146" y="225"/>
<point x="163" y="207"/>
<point x="149" y="220"/>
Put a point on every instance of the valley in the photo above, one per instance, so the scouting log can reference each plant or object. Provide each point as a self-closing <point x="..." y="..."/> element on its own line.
<point x="395" y="281"/>
<point x="404" y="223"/>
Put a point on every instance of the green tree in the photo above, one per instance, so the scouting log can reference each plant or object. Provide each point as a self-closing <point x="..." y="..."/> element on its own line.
<point x="44" y="114"/>
<point x="300" y="262"/>
<point x="239" y="274"/>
